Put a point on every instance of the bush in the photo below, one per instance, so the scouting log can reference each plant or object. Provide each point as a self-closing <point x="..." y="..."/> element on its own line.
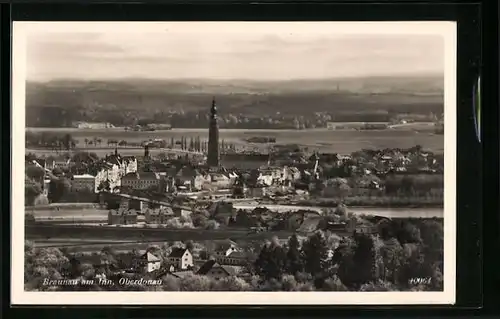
<point x="212" y="224"/>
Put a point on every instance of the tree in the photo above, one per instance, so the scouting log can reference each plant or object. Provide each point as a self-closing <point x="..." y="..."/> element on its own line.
<point x="392" y="256"/>
<point x="199" y="220"/>
<point x="212" y="224"/>
<point x="34" y="172"/>
<point x="365" y="259"/>
<point x="271" y="261"/>
<point x="231" y="283"/>
<point x="195" y="283"/>
<point x="31" y="190"/>
<point x="58" y="187"/>
<point x="67" y="141"/>
<point x="41" y="264"/>
<point x="57" y="171"/>
<point x="334" y="284"/>
<point x="171" y="283"/>
<point x="83" y="157"/>
<point x="190" y="245"/>
<point x="294" y="262"/>
<point x="343" y="258"/>
<point x="315" y="252"/>
<point x="407" y="232"/>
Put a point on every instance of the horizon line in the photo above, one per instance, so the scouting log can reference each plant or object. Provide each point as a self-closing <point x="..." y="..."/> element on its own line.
<point x="180" y="79"/>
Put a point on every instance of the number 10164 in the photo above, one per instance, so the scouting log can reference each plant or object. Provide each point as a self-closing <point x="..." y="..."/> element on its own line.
<point x="420" y="281"/>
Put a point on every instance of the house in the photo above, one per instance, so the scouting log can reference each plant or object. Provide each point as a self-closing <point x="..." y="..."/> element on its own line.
<point x="61" y="161"/>
<point x="235" y="258"/>
<point x="217" y="271"/>
<point x="150" y="262"/>
<point x="180" y="258"/>
<point x="109" y="173"/>
<point x="225" y="247"/>
<point x="130" y="164"/>
<point x="158" y="215"/>
<point x="257" y="191"/>
<point x="85" y="182"/>
<point x="186" y="175"/>
<point x="122" y="217"/>
<point x="220" y="180"/>
<point x="141" y="180"/>
<point x="179" y="274"/>
<point x="167" y="183"/>
<point x="200" y="181"/>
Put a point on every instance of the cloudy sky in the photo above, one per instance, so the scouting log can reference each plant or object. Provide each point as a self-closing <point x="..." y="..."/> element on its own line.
<point x="227" y="52"/>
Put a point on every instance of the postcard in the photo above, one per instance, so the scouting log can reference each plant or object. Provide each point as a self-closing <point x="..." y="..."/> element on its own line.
<point x="251" y="163"/>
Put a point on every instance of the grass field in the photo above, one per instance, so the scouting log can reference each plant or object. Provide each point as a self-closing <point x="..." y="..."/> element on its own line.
<point x="339" y="141"/>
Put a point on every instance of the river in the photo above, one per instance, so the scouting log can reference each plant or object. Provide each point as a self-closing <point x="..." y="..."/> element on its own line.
<point x="377" y="211"/>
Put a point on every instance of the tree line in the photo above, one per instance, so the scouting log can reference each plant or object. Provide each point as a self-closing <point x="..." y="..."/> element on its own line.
<point x="405" y="249"/>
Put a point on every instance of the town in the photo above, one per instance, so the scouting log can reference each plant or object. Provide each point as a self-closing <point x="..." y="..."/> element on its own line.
<point x="204" y="215"/>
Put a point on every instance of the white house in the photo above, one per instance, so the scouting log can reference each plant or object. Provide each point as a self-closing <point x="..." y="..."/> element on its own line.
<point x="151" y="262"/>
<point x="181" y="258"/>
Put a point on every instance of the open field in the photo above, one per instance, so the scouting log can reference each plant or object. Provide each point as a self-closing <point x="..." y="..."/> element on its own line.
<point x="338" y="141"/>
<point x="42" y="232"/>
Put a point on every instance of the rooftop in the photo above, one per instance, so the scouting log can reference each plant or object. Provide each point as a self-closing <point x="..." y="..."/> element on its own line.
<point x="177" y="252"/>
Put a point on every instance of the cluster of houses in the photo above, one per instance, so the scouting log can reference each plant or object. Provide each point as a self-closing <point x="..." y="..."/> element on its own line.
<point x="116" y="173"/>
<point x="131" y="207"/>
<point x="413" y="160"/>
<point x="227" y="259"/>
<point x="93" y="176"/>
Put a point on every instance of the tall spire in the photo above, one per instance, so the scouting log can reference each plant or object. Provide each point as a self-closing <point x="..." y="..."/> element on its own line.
<point x="213" y="138"/>
<point x="213" y="109"/>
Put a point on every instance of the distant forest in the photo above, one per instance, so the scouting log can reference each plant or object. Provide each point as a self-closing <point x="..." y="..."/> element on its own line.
<point x="298" y="104"/>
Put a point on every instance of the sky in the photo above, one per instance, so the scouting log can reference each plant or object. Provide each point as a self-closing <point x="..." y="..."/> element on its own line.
<point x="230" y="51"/>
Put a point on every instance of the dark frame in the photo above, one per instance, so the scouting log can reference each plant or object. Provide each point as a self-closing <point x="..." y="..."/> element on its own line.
<point x="469" y="150"/>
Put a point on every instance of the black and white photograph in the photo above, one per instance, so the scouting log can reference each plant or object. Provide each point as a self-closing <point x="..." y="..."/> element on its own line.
<point x="236" y="161"/>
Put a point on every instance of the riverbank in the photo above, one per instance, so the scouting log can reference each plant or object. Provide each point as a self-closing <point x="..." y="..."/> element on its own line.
<point x="63" y="206"/>
<point x="376" y="202"/>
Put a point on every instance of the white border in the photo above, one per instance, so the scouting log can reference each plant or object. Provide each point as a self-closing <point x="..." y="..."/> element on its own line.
<point x="18" y="296"/>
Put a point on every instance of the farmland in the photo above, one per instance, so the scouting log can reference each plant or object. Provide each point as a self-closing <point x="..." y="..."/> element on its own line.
<point x="323" y="140"/>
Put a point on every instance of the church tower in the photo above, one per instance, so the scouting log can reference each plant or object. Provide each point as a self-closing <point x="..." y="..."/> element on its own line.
<point x="213" y="138"/>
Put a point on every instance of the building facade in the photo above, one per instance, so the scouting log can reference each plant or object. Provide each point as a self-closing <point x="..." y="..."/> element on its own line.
<point x="141" y="180"/>
<point x="180" y="258"/>
<point x="85" y="182"/>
